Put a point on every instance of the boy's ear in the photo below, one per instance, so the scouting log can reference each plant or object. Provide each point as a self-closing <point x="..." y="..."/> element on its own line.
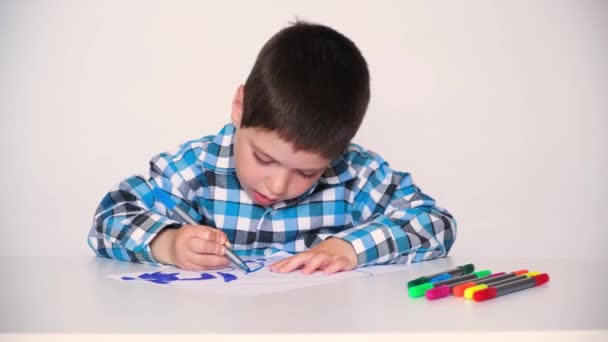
<point x="237" y="106"/>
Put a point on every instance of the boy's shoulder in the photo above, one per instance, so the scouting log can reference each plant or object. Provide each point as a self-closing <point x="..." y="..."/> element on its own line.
<point x="359" y="157"/>
<point x="212" y="152"/>
<point x="356" y="162"/>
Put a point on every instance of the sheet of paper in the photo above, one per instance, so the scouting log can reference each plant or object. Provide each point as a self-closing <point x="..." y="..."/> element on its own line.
<point x="233" y="281"/>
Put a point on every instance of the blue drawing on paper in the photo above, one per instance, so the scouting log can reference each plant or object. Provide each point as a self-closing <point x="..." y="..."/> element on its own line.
<point x="204" y="276"/>
<point x="167" y="278"/>
<point x="228" y="277"/>
<point x="259" y="264"/>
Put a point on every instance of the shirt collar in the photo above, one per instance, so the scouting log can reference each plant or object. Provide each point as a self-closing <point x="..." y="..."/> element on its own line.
<point x="220" y="158"/>
<point x="339" y="171"/>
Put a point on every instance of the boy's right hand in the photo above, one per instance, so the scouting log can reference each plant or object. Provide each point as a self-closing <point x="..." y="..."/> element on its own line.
<point x="191" y="247"/>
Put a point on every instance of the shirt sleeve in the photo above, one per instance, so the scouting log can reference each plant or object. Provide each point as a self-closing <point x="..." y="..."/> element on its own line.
<point x="129" y="217"/>
<point x="395" y="222"/>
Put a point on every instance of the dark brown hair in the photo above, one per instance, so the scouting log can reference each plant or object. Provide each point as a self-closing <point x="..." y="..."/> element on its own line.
<point x="310" y="85"/>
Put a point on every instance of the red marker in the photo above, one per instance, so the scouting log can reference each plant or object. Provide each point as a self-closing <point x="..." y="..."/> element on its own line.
<point x="518" y="285"/>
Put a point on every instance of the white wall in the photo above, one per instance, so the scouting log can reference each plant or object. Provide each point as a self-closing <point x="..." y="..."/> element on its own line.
<point x="498" y="109"/>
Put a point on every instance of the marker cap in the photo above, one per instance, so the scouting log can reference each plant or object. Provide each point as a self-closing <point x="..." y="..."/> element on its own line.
<point x="458" y="291"/>
<point x="484" y="294"/>
<point x="481" y="274"/>
<point x="420" y="290"/>
<point x="541" y="278"/>
<point x="417" y="281"/>
<point x="440" y="292"/>
<point x="468" y="293"/>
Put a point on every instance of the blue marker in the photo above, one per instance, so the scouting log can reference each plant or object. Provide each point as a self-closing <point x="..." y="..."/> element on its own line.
<point x="168" y="202"/>
<point x="460" y="270"/>
<point x="433" y="278"/>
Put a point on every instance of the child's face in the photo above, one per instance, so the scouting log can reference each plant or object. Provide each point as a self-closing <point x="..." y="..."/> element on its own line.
<point x="268" y="168"/>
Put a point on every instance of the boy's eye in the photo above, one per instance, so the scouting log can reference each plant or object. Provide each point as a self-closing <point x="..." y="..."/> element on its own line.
<point x="260" y="160"/>
<point x="306" y="175"/>
<point x="268" y="162"/>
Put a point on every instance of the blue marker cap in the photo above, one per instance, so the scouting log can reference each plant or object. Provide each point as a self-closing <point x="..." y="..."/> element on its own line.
<point x="440" y="277"/>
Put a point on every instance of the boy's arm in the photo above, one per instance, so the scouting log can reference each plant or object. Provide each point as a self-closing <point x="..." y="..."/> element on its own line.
<point x="126" y="221"/>
<point x="397" y="222"/>
<point x="129" y="217"/>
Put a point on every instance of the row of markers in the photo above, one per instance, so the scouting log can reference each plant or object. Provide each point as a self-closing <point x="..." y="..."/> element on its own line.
<point x="463" y="281"/>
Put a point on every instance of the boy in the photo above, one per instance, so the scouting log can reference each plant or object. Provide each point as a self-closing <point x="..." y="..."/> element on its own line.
<point x="282" y="176"/>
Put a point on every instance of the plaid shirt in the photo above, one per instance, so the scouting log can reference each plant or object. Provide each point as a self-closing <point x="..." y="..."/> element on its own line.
<point x="359" y="199"/>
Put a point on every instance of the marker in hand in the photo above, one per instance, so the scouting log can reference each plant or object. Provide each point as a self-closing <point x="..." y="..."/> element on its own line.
<point x="162" y="196"/>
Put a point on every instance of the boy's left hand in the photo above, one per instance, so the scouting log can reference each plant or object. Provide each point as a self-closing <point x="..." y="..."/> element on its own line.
<point x="331" y="256"/>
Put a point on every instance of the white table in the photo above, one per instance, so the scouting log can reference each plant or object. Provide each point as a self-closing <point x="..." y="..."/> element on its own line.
<point x="66" y="298"/>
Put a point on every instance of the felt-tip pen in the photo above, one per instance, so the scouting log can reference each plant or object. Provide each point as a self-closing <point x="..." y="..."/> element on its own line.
<point x="510" y="287"/>
<point x="468" y="293"/>
<point x="170" y="204"/>
<point x="420" y="290"/>
<point x="458" y="291"/>
<point x="458" y="271"/>
<point x="446" y="290"/>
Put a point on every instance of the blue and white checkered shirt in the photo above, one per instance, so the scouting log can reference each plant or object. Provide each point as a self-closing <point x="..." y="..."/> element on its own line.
<point x="359" y="198"/>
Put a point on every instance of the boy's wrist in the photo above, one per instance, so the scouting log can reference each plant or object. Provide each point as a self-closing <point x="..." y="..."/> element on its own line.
<point x="162" y="246"/>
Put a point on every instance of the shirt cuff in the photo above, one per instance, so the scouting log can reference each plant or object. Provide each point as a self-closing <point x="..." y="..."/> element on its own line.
<point x="144" y="231"/>
<point x="374" y="242"/>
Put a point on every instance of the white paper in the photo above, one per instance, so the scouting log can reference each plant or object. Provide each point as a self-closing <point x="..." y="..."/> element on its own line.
<point x="233" y="281"/>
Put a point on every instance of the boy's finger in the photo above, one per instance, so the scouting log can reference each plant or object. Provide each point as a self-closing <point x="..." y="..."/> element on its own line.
<point x="336" y="266"/>
<point x="277" y="265"/>
<point x="294" y="262"/>
<point x="217" y="231"/>
<point x="208" y="261"/>
<point x="202" y="246"/>
<point x="220" y="232"/>
<point x="332" y="268"/>
<point x="191" y="267"/>
<point x="211" y="235"/>
<point x="314" y="263"/>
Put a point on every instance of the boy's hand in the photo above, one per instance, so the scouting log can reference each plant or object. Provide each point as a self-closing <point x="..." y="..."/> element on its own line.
<point x="331" y="256"/>
<point x="191" y="247"/>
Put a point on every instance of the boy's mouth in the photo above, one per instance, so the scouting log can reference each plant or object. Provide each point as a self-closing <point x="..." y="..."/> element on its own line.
<point x="263" y="200"/>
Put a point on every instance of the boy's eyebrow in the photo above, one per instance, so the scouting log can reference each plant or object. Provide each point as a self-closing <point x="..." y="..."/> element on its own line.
<point x="259" y="150"/>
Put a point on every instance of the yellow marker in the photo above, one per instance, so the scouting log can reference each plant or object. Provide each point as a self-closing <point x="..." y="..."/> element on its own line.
<point x="468" y="293"/>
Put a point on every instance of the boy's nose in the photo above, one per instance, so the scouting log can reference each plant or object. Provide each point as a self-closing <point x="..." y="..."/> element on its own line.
<point x="277" y="184"/>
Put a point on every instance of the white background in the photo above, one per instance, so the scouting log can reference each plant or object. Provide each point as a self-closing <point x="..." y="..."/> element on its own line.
<point x="497" y="108"/>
